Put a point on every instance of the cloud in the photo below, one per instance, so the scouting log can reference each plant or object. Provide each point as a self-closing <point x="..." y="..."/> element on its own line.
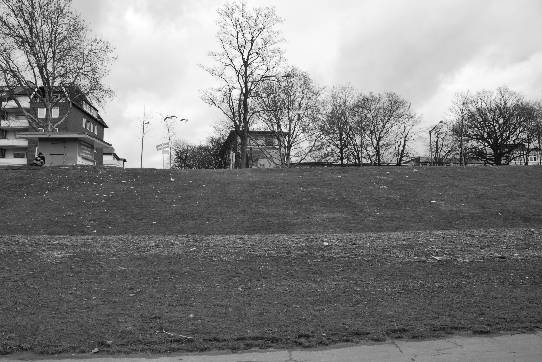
<point x="481" y="73"/>
<point x="410" y="46"/>
<point x="425" y="50"/>
<point x="159" y="47"/>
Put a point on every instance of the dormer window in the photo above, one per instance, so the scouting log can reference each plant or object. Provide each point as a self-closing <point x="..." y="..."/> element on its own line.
<point x="90" y="109"/>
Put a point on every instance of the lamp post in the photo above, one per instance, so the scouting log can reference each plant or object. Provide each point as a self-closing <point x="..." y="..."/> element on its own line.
<point x="143" y="123"/>
<point x="170" y="131"/>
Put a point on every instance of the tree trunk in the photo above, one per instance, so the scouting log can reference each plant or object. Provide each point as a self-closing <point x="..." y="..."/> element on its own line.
<point x="402" y="152"/>
<point x="361" y="150"/>
<point x="341" y="148"/>
<point x="244" y="153"/>
<point x="288" y="155"/>
<point x="497" y="158"/>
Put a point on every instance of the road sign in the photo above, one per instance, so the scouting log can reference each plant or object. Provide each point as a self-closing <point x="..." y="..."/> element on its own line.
<point x="163" y="146"/>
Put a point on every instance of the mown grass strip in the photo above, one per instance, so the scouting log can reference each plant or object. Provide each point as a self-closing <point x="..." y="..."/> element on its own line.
<point x="87" y="201"/>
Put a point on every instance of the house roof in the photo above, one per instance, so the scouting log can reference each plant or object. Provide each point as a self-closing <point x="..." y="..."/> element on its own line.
<point x="99" y="119"/>
<point x="77" y="97"/>
<point x="115" y="156"/>
<point x="111" y="151"/>
<point x="232" y="134"/>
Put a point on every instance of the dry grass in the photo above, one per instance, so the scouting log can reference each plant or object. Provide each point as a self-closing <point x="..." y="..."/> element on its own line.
<point x="167" y="293"/>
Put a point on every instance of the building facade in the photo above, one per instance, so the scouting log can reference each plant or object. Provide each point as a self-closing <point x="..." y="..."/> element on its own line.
<point x="111" y="159"/>
<point x="526" y="157"/>
<point x="262" y="150"/>
<point x="78" y="140"/>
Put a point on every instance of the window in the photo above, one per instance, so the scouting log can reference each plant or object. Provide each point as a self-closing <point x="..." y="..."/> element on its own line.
<point x="55" y="112"/>
<point x="2" y="153"/>
<point x="41" y="112"/>
<point x="3" y="134"/>
<point x="87" y="125"/>
<point x="90" y="126"/>
<point x="19" y="155"/>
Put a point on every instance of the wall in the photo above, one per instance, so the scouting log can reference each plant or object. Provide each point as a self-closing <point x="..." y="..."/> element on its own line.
<point x="109" y="160"/>
<point x="98" y="157"/>
<point x="59" y="152"/>
<point x="9" y="158"/>
<point x="74" y="120"/>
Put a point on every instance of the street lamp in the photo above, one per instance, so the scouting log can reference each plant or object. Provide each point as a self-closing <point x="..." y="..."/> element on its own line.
<point x="143" y="123"/>
<point x="169" y="131"/>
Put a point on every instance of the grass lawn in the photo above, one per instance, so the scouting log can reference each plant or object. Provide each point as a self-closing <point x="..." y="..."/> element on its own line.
<point x="156" y="202"/>
<point x="158" y="261"/>
<point x="159" y="294"/>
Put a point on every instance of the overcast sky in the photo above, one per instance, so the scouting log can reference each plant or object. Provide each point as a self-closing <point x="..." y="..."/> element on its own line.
<point x="426" y="50"/>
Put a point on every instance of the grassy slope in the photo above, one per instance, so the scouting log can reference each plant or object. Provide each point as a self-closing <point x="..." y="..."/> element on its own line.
<point x="144" y="292"/>
<point x="84" y="201"/>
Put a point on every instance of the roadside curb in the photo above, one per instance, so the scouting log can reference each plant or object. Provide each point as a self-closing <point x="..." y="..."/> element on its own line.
<point x="517" y="347"/>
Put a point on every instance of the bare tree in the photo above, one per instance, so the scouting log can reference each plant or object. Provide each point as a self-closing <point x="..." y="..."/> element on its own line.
<point x="495" y="123"/>
<point x="290" y="108"/>
<point x="444" y="143"/>
<point x="336" y="125"/>
<point x="533" y="131"/>
<point x="248" y="55"/>
<point x="404" y="134"/>
<point x="48" y="55"/>
<point x="389" y="121"/>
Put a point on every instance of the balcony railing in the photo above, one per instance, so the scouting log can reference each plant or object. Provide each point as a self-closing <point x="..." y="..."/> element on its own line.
<point x="14" y="124"/>
<point x="13" y="142"/>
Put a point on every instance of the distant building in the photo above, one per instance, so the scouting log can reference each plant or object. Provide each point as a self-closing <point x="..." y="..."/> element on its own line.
<point x="111" y="159"/>
<point x="521" y="156"/>
<point x="524" y="156"/>
<point x="79" y="140"/>
<point x="262" y="150"/>
<point x="417" y="161"/>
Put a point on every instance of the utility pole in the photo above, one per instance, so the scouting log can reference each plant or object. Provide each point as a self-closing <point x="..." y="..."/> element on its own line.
<point x="143" y="123"/>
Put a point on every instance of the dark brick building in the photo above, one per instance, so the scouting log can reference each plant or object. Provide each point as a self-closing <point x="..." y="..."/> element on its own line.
<point x="78" y="140"/>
